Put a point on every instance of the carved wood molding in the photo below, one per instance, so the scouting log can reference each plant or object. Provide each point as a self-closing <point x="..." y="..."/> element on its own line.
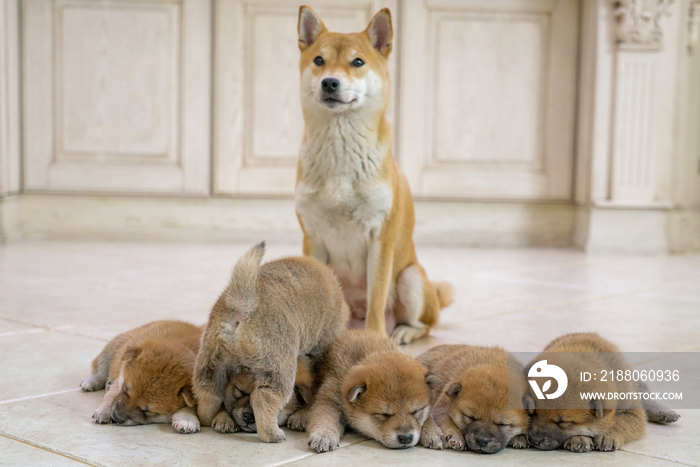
<point x="637" y="22"/>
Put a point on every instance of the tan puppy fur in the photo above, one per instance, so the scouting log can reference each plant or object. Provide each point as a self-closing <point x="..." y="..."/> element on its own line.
<point x="239" y="388"/>
<point x="148" y="376"/>
<point x="353" y="203"/>
<point x="368" y="385"/>
<point x="266" y="318"/>
<point x="604" y="425"/>
<point x="472" y="409"/>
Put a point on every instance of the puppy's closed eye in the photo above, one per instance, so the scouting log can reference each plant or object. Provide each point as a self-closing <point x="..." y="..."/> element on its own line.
<point x="382" y="417"/>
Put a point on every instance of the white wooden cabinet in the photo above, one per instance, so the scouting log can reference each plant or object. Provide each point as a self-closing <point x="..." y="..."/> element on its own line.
<point x="487" y="99"/>
<point x="117" y="95"/>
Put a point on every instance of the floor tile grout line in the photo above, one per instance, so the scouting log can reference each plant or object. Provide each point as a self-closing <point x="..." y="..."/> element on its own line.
<point x="660" y="457"/>
<point x="48" y="449"/>
<point x="38" y="396"/>
<point x="311" y="454"/>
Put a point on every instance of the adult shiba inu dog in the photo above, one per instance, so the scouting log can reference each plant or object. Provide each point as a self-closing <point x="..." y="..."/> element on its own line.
<point x="582" y="425"/>
<point x="148" y="376"/>
<point x="484" y="403"/>
<point x="353" y="203"/>
<point x="371" y="387"/>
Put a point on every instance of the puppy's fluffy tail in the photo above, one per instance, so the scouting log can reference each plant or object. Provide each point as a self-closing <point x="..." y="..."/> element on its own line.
<point x="445" y="293"/>
<point x="242" y="293"/>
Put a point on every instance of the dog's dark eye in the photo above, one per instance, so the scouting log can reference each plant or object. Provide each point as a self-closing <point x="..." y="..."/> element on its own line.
<point x="319" y="61"/>
<point x="358" y="62"/>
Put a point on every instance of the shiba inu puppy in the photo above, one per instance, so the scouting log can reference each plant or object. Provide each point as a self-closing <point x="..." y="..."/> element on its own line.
<point x="368" y="385"/>
<point x="266" y="318"/>
<point x="476" y="407"/>
<point x="353" y="203"/>
<point x="239" y="388"/>
<point x="580" y="426"/>
<point x="148" y="376"/>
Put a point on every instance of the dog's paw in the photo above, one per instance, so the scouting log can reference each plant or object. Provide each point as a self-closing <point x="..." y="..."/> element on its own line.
<point x="102" y="415"/>
<point x="606" y="443"/>
<point x="404" y="334"/>
<point x="518" y="442"/>
<point x="298" y="421"/>
<point x="663" y="417"/>
<point x="323" y="442"/>
<point x="454" y="440"/>
<point x="431" y="438"/>
<point x="579" y="444"/>
<point x="91" y="383"/>
<point x="223" y="423"/>
<point x="186" y="425"/>
<point x="274" y="435"/>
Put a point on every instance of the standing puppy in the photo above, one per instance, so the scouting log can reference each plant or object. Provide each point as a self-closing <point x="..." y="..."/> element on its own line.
<point x="352" y="201"/>
<point x="374" y="389"/>
<point x="483" y="405"/>
<point x="267" y="317"/>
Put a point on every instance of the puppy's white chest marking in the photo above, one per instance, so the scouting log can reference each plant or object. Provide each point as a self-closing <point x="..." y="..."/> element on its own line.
<point x="341" y="201"/>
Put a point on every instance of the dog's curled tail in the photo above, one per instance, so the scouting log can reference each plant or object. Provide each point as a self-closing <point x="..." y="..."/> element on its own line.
<point x="242" y="292"/>
<point x="445" y="293"/>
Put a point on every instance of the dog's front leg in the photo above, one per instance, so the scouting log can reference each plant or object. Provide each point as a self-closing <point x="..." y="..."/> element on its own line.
<point x="185" y="420"/>
<point x="379" y="271"/>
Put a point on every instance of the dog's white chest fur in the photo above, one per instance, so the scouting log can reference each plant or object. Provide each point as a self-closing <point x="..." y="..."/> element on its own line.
<point x="341" y="201"/>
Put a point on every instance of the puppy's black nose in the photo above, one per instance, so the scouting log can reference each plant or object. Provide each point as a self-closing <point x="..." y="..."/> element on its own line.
<point x="405" y="438"/>
<point x="481" y="441"/>
<point x="249" y="418"/>
<point x="330" y="84"/>
<point x="535" y="440"/>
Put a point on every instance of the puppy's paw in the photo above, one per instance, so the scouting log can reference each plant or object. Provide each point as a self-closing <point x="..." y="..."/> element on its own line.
<point x="518" y="442"/>
<point x="298" y="421"/>
<point x="404" y="334"/>
<point x="92" y="383"/>
<point x="579" y="444"/>
<point x="274" y="435"/>
<point x="223" y="423"/>
<point x="186" y="425"/>
<point x="663" y="417"/>
<point x="431" y="438"/>
<point x="323" y="442"/>
<point x="455" y="440"/>
<point x="102" y="415"/>
<point x="606" y="443"/>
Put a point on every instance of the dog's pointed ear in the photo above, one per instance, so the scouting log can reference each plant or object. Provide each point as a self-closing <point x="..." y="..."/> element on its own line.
<point x="186" y="393"/>
<point x="454" y="390"/>
<point x="432" y="381"/>
<point x="381" y="32"/>
<point x="131" y="354"/>
<point x="310" y="27"/>
<point x="306" y="393"/>
<point x="597" y="408"/>
<point x="529" y="404"/>
<point x="355" y="391"/>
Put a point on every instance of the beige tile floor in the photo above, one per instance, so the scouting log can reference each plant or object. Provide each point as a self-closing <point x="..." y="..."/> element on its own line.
<point x="61" y="301"/>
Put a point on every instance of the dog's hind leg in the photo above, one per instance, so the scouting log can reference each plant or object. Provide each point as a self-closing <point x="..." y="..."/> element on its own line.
<point x="657" y="412"/>
<point x="100" y="365"/>
<point x="271" y="393"/>
<point x="416" y="299"/>
<point x="628" y="426"/>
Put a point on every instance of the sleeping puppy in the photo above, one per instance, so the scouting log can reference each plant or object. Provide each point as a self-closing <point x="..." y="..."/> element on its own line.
<point x="239" y="388"/>
<point x="582" y="425"/>
<point x="476" y="408"/>
<point x="148" y="376"/>
<point x="266" y="318"/>
<point x="369" y="386"/>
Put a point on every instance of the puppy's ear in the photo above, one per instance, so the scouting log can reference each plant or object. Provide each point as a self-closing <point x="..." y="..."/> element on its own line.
<point x="131" y="354"/>
<point x="186" y="393"/>
<point x="529" y="404"/>
<point x="310" y="27"/>
<point x="381" y="32"/>
<point x="305" y="393"/>
<point x="454" y="390"/>
<point x="432" y="381"/>
<point x="355" y="391"/>
<point x="597" y="408"/>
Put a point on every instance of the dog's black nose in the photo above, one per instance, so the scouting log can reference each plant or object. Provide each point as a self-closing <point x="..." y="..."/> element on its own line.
<point x="330" y="84"/>
<point x="248" y="418"/>
<point x="405" y="438"/>
<point x="481" y="441"/>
